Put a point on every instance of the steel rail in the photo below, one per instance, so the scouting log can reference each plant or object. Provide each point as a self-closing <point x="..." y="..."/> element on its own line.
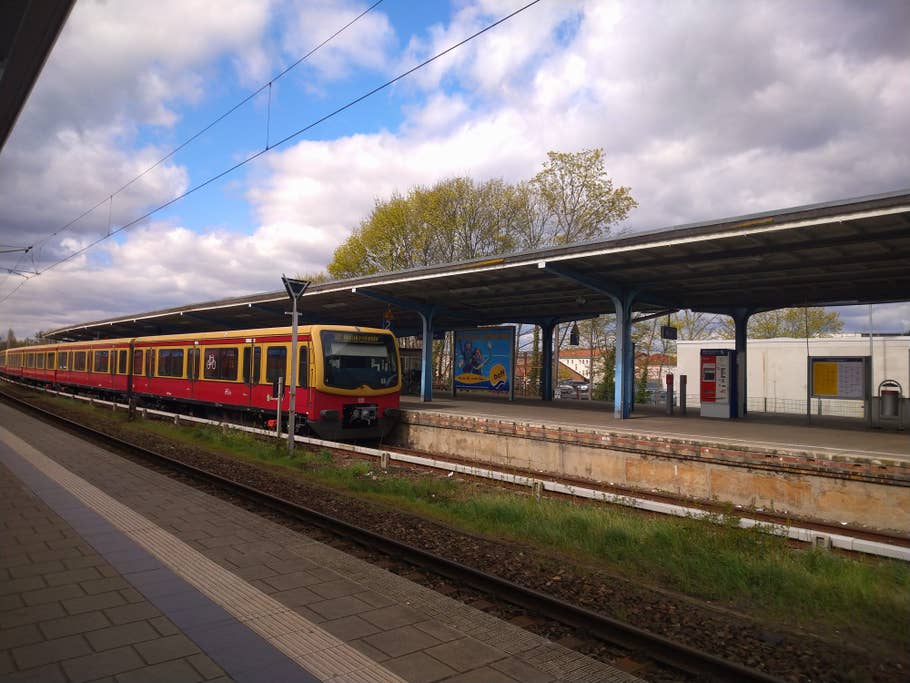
<point x="664" y="650"/>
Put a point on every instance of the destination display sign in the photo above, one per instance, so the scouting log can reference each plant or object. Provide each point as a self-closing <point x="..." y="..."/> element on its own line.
<point x="357" y="337"/>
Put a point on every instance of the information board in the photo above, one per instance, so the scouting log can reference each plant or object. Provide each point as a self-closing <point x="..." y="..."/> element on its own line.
<point x="483" y="358"/>
<point x="839" y="377"/>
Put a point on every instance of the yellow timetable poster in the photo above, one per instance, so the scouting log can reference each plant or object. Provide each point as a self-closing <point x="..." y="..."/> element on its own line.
<point x="824" y="378"/>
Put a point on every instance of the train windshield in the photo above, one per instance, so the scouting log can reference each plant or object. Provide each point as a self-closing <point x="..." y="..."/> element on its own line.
<point x="359" y="359"/>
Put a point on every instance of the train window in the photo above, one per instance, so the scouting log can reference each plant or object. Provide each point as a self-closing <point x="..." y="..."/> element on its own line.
<point x="79" y="361"/>
<point x="121" y="362"/>
<point x="150" y="363"/>
<point x="101" y="361"/>
<point x="50" y="360"/>
<point x="251" y="371"/>
<point x="137" y="362"/>
<point x="170" y="363"/>
<point x="221" y="364"/>
<point x="39" y="361"/>
<point x="62" y="357"/>
<point x="30" y="360"/>
<point x="276" y="363"/>
<point x="357" y="359"/>
<point x="302" y="366"/>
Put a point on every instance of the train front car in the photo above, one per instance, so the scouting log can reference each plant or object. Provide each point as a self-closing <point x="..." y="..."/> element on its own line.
<point x="357" y="383"/>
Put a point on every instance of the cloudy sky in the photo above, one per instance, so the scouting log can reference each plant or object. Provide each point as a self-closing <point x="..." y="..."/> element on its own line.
<point x="705" y="109"/>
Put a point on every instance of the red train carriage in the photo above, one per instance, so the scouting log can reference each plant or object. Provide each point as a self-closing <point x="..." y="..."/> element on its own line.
<point x="347" y="377"/>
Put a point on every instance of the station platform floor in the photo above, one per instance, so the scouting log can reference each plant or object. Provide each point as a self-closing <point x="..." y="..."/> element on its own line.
<point x="833" y="437"/>
<point x="109" y="571"/>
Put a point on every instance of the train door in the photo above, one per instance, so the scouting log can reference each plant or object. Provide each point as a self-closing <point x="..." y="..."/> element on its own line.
<point x="39" y="364"/>
<point x="138" y="376"/>
<point x="131" y="370"/>
<point x="62" y="374"/>
<point x="100" y="362"/>
<point x="251" y="375"/>
<point x="150" y="370"/>
<point x="304" y="387"/>
<point x="276" y="366"/>
<point x="192" y="372"/>
<point x="121" y="378"/>
<point x="112" y="369"/>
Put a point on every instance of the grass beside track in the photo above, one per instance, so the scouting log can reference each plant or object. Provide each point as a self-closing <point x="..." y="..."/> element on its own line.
<point x="863" y="599"/>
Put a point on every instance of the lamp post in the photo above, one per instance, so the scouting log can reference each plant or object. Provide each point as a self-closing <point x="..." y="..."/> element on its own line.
<point x="295" y="288"/>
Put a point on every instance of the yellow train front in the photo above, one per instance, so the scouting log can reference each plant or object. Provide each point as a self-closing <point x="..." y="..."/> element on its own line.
<point x="355" y="385"/>
<point x="348" y="379"/>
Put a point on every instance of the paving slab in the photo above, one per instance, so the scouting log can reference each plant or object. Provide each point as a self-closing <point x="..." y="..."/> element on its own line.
<point x="178" y="583"/>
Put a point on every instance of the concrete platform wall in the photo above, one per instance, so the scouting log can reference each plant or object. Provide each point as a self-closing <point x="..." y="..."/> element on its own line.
<point x="874" y="493"/>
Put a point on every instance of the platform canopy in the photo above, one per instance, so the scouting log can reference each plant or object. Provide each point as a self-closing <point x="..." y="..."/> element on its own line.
<point x="853" y="251"/>
<point x="28" y="31"/>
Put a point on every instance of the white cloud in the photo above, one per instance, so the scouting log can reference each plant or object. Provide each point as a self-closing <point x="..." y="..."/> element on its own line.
<point x="135" y="59"/>
<point x="364" y="45"/>
<point x="493" y="64"/>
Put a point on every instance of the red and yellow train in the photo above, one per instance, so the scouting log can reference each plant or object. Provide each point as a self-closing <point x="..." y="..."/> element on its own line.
<point x="348" y="379"/>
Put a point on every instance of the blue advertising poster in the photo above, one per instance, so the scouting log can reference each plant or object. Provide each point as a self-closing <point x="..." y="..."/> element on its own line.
<point x="483" y="358"/>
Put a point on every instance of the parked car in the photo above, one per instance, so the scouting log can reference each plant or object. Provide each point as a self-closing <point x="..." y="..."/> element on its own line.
<point x="572" y="388"/>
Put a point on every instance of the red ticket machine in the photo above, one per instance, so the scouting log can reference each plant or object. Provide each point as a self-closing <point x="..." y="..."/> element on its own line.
<point x="718" y="383"/>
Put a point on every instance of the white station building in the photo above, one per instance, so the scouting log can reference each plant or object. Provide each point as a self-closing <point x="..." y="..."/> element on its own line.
<point x="778" y="375"/>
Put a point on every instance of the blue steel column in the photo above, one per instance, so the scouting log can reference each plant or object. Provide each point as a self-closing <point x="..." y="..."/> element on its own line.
<point x="622" y="378"/>
<point x="546" y="371"/>
<point x="741" y="320"/>
<point x="426" y="370"/>
<point x="629" y="373"/>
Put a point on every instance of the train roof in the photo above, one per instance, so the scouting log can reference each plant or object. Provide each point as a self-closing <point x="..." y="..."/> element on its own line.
<point x="196" y="336"/>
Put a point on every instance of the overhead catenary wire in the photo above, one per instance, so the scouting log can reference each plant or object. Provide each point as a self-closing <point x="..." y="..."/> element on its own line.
<point x="110" y="198"/>
<point x="282" y="141"/>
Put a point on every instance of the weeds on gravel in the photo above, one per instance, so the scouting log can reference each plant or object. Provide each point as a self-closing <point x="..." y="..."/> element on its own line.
<point x="745" y="568"/>
<point x="358" y="477"/>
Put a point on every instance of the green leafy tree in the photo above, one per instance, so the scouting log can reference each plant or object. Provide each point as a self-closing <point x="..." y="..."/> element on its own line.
<point x="788" y="322"/>
<point x="575" y="199"/>
<point x="571" y="199"/>
<point x="604" y="389"/>
<point x="313" y="278"/>
<point x="456" y="219"/>
<point x="693" y="326"/>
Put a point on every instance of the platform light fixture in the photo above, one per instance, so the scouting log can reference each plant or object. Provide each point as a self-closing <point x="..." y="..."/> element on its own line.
<point x="295" y="289"/>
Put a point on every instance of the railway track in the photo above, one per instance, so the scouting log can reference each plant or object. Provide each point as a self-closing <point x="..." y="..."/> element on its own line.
<point x="697" y="663"/>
